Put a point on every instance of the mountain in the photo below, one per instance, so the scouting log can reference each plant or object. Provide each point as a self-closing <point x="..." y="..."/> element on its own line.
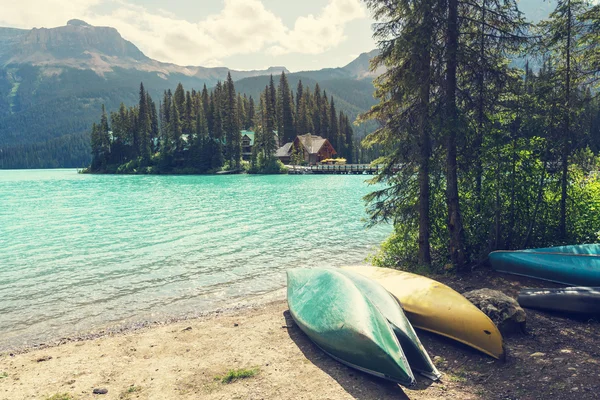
<point x="100" y="49"/>
<point x="53" y="82"/>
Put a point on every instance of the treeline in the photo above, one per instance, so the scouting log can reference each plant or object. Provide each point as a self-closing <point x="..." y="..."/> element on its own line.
<point x="481" y="155"/>
<point x="69" y="151"/>
<point x="200" y="132"/>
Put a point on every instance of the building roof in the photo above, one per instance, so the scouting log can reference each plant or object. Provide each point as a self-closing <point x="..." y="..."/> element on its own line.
<point x="312" y="143"/>
<point x="284" y="151"/>
<point x="250" y="136"/>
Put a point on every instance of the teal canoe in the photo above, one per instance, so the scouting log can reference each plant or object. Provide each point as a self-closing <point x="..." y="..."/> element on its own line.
<point x="340" y="319"/>
<point x="571" y="265"/>
<point x="417" y="356"/>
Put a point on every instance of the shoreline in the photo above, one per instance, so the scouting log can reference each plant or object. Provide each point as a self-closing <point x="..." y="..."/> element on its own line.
<point x="136" y="325"/>
<point x="557" y="358"/>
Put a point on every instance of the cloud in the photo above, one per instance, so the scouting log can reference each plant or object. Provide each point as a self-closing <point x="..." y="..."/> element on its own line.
<point x="241" y="27"/>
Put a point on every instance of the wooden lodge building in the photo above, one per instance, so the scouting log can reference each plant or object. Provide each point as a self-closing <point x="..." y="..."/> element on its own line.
<point x="313" y="148"/>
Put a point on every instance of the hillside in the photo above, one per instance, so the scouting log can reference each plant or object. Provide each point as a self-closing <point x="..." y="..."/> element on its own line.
<point x="53" y="82"/>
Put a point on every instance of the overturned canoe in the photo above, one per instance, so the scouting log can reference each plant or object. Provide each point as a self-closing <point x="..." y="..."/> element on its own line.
<point x="571" y="265"/>
<point x="573" y="300"/>
<point x="338" y="317"/>
<point x="417" y="356"/>
<point x="434" y="307"/>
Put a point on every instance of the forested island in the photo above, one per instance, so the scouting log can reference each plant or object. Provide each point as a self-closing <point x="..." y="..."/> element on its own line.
<point x="494" y="152"/>
<point x="199" y="132"/>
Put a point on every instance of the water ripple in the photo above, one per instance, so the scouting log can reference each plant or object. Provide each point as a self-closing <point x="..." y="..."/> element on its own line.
<point x="81" y="251"/>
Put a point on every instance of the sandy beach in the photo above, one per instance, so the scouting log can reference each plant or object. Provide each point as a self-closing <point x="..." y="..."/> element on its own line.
<point x="183" y="360"/>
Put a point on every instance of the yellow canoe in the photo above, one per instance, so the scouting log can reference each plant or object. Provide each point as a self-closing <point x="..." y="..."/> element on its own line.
<point x="434" y="307"/>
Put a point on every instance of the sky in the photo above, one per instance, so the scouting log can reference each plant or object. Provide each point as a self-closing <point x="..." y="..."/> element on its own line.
<point x="238" y="34"/>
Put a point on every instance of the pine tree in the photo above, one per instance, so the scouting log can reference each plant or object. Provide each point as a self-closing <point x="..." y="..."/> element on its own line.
<point x="154" y="135"/>
<point x="271" y="100"/>
<point x="175" y="131"/>
<point x="179" y="100"/>
<point x="563" y="36"/>
<point x="287" y="128"/>
<point x="250" y="113"/>
<point x="269" y="115"/>
<point x="143" y="126"/>
<point x="334" y="129"/>
<point x="324" y="110"/>
<point x="231" y="126"/>
<point x="316" y="114"/>
<point x="348" y="136"/>
<point x="299" y="98"/>
<point x="407" y="34"/>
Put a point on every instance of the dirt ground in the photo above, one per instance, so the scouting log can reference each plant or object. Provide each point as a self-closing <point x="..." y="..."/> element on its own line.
<point x="558" y="358"/>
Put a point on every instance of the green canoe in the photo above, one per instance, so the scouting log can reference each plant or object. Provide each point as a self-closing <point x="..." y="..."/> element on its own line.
<point x="340" y="319"/>
<point x="572" y="265"/>
<point x="389" y="307"/>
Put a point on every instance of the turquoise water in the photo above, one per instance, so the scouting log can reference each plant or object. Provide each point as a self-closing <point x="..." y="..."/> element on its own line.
<point x="84" y="251"/>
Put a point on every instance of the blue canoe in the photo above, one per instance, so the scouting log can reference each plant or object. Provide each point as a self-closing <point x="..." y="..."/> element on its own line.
<point x="571" y="265"/>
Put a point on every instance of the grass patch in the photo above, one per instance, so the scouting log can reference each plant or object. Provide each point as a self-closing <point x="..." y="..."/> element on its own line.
<point x="3" y="375"/>
<point x="458" y="376"/>
<point x="60" y="396"/>
<point x="129" y="391"/>
<point x="236" y="374"/>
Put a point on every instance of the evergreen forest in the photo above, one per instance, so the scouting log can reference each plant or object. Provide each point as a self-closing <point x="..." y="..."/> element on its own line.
<point x="201" y="131"/>
<point x="482" y="152"/>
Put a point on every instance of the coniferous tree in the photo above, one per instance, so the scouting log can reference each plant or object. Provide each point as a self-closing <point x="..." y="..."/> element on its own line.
<point x="563" y="36"/>
<point x="144" y="125"/>
<point x="325" y="118"/>
<point x="250" y="113"/>
<point x="179" y="100"/>
<point x="175" y="132"/>
<point x="231" y="126"/>
<point x="271" y="107"/>
<point x="287" y="129"/>
<point x="299" y="98"/>
<point x="334" y="133"/>
<point x="316" y="114"/>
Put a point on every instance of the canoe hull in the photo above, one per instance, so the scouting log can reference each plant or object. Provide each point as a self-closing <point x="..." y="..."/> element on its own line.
<point x="572" y="300"/>
<point x="434" y="307"/>
<point x="389" y="307"/>
<point x="338" y="318"/>
<point x="552" y="264"/>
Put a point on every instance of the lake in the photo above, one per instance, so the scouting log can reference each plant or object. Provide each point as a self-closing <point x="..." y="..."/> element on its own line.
<point x="79" y="252"/>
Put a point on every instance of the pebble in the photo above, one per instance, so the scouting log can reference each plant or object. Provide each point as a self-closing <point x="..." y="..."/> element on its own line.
<point x="189" y="328"/>
<point x="538" y="354"/>
<point x="100" y="391"/>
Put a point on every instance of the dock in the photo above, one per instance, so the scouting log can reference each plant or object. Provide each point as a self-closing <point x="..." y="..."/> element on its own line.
<point x="345" y="169"/>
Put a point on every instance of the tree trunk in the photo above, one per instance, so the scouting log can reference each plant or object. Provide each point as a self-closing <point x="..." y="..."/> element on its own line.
<point x="480" y="114"/>
<point x="455" y="228"/>
<point x="562" y="228"/>
<point x="536" y="208"/>
<point x="424" y="146"/>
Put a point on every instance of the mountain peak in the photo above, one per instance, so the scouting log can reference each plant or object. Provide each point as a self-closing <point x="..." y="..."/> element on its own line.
<point x="361" y="66"/>
<point x="77" y="22"/>
<point x="77" y="44"/>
